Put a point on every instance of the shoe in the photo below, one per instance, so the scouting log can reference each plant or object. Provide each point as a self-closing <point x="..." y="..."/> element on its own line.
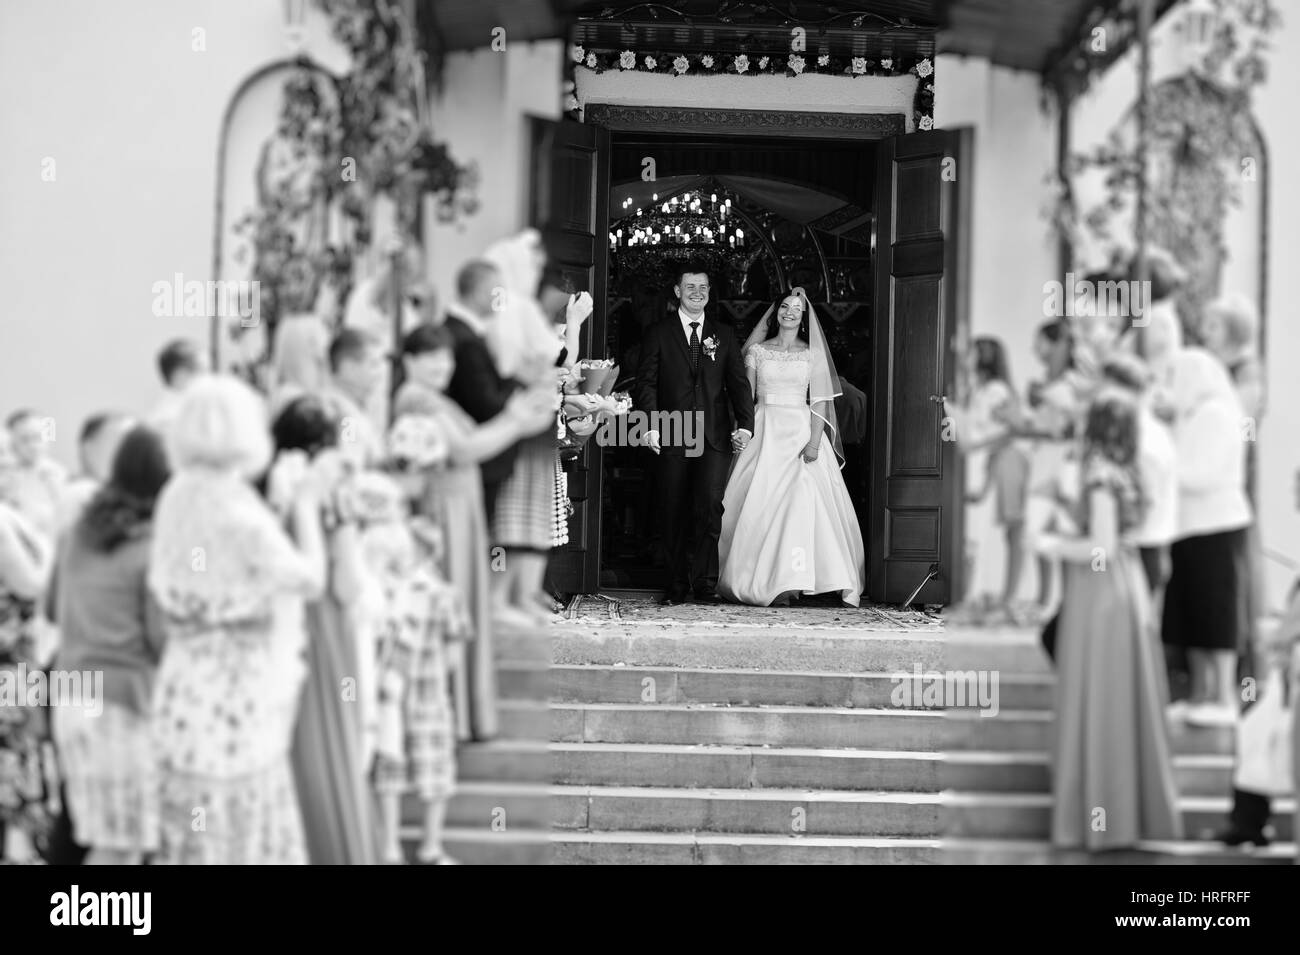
<point x="1210" y="715"/>
<point x="707" y="597"/>
<point x="1236" y="836"/>
<point x="673" y="598"/>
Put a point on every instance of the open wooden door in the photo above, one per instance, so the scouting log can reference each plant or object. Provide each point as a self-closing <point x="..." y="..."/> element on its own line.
<point x="568" y="203"/>
<point x="922" y="251"/>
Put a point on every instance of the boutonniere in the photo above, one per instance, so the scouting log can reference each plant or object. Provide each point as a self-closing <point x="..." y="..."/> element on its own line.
<point x="711" y="348"/>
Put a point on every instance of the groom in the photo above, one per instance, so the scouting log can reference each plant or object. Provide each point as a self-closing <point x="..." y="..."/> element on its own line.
<point x="691" y="367"/>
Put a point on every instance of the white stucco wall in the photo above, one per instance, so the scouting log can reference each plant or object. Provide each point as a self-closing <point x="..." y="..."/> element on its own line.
<point x="130" y="113"/>
<point x="809" y="93"/>
<point x="482" y="112"/>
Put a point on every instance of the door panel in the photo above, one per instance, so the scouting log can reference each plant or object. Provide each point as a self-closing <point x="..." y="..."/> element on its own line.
<point x="568" y="196"/>
<point x="916" y="482"/>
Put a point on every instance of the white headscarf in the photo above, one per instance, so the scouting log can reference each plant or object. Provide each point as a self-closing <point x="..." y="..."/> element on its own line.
<point x="520" y="334"/>
<point x="824" y="383"/>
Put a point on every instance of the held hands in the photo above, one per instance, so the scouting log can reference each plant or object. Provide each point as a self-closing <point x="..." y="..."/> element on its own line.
<point x="739" y="440"/>
<point x="651" y="440"/>
<point x="809" y="453"/>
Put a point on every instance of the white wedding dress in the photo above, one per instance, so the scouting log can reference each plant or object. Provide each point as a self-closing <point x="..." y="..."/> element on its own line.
<point x="787" y="526"/>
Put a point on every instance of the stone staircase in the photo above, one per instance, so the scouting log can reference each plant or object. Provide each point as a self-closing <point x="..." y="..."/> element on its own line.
<point x="996" y="773"/>
<point x="689" y="744"/>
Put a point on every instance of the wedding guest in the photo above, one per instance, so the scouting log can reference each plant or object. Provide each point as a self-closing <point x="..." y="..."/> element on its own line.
<point x="179" y="362"/>
<point x="475" y="383"/>
<point x="419" y="612"/>
<point x="986" y="424"/>
<point x="230" y="582"/>
<point x="97" y="444"/>
<point x="1056" y="405"/>
<point x="452" y="496"/>
<point x="1157" y="465"/>
<point x="356" y="374"/>
<point x="110" y="625"/>
<point x="1157" y="334"/>
<point x="34" y="482"/>
<point x="299" y="360"/>
<point x="1230" y="331"/>
<point x="328" y="752"/>
<point x="526" y="347"/>
<point x="397" y="290"/>
<point x="1111" y="748"/>
<point x="25" y="556"/>
<point x="1203" y="597"/>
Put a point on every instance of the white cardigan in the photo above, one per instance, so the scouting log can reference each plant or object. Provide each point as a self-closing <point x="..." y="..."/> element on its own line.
<point x="1211" y="470"/>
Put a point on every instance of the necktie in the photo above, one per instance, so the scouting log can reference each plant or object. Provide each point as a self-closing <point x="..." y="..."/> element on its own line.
<point x="695" y="344"/>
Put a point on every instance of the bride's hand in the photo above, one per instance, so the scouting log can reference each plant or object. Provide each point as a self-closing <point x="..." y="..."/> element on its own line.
<point x="809" y="453"/>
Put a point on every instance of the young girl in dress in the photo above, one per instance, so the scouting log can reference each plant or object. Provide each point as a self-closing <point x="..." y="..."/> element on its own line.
<point x="987" y="423"/>
<point x="1113" y="781"/>
<point x="417" y="611"/>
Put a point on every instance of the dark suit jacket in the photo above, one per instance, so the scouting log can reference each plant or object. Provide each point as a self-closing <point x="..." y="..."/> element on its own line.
<point x="666" y="381"/>
<point x="480" y="390"/>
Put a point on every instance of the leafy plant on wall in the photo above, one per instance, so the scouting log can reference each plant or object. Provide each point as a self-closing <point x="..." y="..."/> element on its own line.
<point x="1202" y="147"/>
<point x="339" y="145"/>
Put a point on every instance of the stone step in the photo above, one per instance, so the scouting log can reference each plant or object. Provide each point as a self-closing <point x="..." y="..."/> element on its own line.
<point x="743" y="767"/>
<point x="1040" y="852"/>
<point x="1030" y="731"/>
<point x="494" y="806"/>
<point x="666" y="644"/>
<point x="779" y="726"/>
<point x="525" y="720"/>
<point x="506" y="760"/>
<point x="769" y="811"/>
<point x="729" y="848"/>
<point x="645" y="684"/>
<point x="1206" y="774"/>
<point x="1028" y="815"/>
<point x="1007" y="650"/>
<point x="482" y="846"/>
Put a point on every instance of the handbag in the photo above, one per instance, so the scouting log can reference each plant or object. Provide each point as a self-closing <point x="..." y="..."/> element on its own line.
<point x="1264" y="757"/>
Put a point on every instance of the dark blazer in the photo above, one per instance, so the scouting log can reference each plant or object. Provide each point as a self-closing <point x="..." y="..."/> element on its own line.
<point x="480" y="390"/>
<point x="666" y="380"/>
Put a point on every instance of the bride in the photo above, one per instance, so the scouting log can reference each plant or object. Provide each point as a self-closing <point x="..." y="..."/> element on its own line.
<point x="788" y="525"/>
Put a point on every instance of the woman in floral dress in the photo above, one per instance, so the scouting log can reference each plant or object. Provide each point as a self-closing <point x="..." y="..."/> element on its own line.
<point x="231" y="584"/>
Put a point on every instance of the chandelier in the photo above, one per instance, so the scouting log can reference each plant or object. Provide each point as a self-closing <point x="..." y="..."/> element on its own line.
<point x="682" y="225"/>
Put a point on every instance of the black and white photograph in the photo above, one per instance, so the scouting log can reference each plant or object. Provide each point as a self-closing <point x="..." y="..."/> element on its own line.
<point x="598" y="432"/>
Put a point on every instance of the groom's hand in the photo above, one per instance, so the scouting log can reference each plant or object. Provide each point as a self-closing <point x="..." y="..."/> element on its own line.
<point x="739" y="440"/>
<point x="652" y="441"/>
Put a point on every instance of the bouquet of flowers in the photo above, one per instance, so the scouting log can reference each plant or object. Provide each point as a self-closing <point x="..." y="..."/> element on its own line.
<point x="417" y="441"/>
<point x="596" y="375"/>
<point x="588" y="401"/>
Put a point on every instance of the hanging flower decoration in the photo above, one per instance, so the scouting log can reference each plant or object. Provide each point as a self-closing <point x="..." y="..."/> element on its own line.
<point x="790" y="65"/>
